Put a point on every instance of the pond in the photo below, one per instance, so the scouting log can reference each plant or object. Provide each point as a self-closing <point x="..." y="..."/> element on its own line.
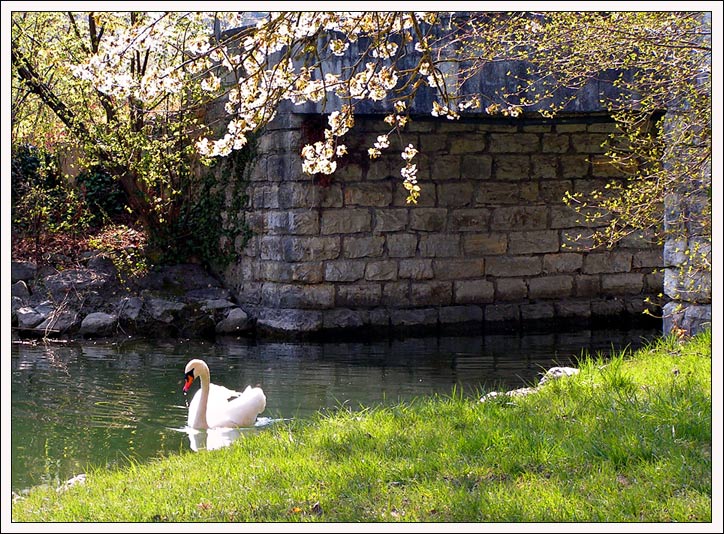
<point x="78" y="405"/>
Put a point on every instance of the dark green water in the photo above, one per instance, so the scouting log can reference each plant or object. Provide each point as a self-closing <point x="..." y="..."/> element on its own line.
<point x="79" y="405"/>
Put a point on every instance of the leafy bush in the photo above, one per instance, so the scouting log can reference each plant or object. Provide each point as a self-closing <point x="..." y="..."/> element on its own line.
<point x="43" y="203"/>
<point x="102" y="194"/>
<point x="31" y="167"/>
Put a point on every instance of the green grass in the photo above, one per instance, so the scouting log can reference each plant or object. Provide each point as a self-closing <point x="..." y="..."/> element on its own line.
<point x="626" y="440"/>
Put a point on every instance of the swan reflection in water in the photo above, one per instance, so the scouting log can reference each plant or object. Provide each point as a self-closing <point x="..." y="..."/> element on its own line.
<point x="216" y="438"/>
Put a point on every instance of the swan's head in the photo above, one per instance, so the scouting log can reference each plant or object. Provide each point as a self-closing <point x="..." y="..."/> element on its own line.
<point x="193" y="370"/>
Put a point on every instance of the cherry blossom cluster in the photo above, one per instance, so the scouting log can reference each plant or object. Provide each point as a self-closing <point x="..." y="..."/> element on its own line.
<point x="256" y="71"/>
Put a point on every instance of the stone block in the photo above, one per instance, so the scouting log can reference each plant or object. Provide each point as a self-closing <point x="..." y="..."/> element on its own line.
<point x="607" y="307"/>
<point x="519" y="218"/>
<point x="289" y="320"/>
<point x="497" y="193"/>
<point x="311" y="272"/>
<point x="274" y="271"/>
<point x="485" y="244"/>
<point x="416" y="269"/>
<point x="544" y="167"/>
<point x="381" y="270"/>
<point x="455" y="194"/>
<point x="554" y="191"/>
<point x="607" y="262"/>
<point x="566" y="217"/>
<point x="604" y="127"/>
<point x="432" y="293"/>
<point x="368" y="194"/>
<point x="654" y="282"/>
<point x="555" y="143"/>
<point x="586" y="285"/>
<point x="315" y="297"/>
<point x="526" y="143"/>
<point x="277" y="222"/>
<point x="502" y="312"/>
<point x="28" y="317"/>
<point x="513" y="266"/>
<point x="439" y="245"/>
<point x="308" y="195"/>
<point x="344" y="270"/>
<point x="675" y="252"/>
<point x="459" y="269"/>
<point x="474" y="291"/>
<point x="401" y="245"/>
<point x="470" y="143"/>
<point x="460" y="314"/>
<point x="689" y="286"/>
<point x="358" y="295"/>
<point x="562" y="263"/>
<point x="348" y="171"/>
<point x="428" y="219"/>
<point x="476" y="167"/>
<point x="382" y="168"/>
<point x="444" y="168"/>
<point x="528" y="192"/>
<point x="580" y="309"/>
<point x="537" y="128"/>
<point x="431" y="142"/>
<point x="363" y="247"/>
<point x="533" y="242"/>
<point x="571" y="127"/>
<point x="279" y="141"/>
<point x="346" y="221"/>
<point x="264" y="196"/>
<point x="511" y="168"/>
<point x="303" y="222"/>
<point x="647" y="259"/>
<point x="390" y="220"/>
<point x="469" y="220"/>
<point x="536" y="311"/>
<point x="379" y="317"/>
<point x="344" y="318"/>
<point x="414" y="317"/>
<point x="574" y="166"/>
<point x="396" y="294"/>
<point x="589" y="143"/>
<point x="622" y="283"/>
<point x="310" y="248"/>
<point x="510" y="289"/>
<point x="551" y="286"/>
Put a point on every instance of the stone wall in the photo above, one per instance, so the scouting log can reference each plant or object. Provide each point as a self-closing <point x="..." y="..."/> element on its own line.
<point x="489" y="243"/>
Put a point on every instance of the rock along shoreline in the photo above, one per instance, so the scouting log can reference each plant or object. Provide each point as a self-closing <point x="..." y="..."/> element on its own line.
<point x="90" y="302"/>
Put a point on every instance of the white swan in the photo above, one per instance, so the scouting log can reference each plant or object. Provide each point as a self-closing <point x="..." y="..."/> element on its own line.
<point x="215" y="406"/>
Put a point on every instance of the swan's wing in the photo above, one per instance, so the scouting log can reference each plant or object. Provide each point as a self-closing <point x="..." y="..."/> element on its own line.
<point x="219" y="393"/>
<point x="229" y="408"/>
<point x="243" y="409"/>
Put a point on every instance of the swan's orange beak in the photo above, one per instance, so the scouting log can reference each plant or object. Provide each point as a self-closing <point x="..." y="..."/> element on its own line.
<point x="188" y="380"/>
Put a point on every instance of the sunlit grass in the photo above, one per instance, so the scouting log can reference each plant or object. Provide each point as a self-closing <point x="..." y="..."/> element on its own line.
<point x="626" y="440"/>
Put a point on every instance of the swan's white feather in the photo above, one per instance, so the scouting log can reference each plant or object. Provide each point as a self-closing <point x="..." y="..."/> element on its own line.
<point x="228" y="408"/>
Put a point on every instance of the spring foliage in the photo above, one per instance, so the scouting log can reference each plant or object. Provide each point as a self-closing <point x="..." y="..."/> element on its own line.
<point x="131" y="89"/>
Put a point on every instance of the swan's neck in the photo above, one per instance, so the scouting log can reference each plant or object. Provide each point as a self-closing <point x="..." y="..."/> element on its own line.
<point x="200" y="421"/>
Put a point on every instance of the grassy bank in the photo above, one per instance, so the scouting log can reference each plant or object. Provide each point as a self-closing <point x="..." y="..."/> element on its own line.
<point x="628" y="440"/>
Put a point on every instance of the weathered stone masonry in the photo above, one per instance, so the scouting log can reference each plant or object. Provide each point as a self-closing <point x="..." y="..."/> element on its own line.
<point x="490" y="241"/>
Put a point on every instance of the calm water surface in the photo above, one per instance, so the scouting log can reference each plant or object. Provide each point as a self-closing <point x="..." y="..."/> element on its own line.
<point x="75" y="406"/>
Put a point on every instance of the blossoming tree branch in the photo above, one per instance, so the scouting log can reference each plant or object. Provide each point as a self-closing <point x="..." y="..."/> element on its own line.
<point x="130" y="88"/>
